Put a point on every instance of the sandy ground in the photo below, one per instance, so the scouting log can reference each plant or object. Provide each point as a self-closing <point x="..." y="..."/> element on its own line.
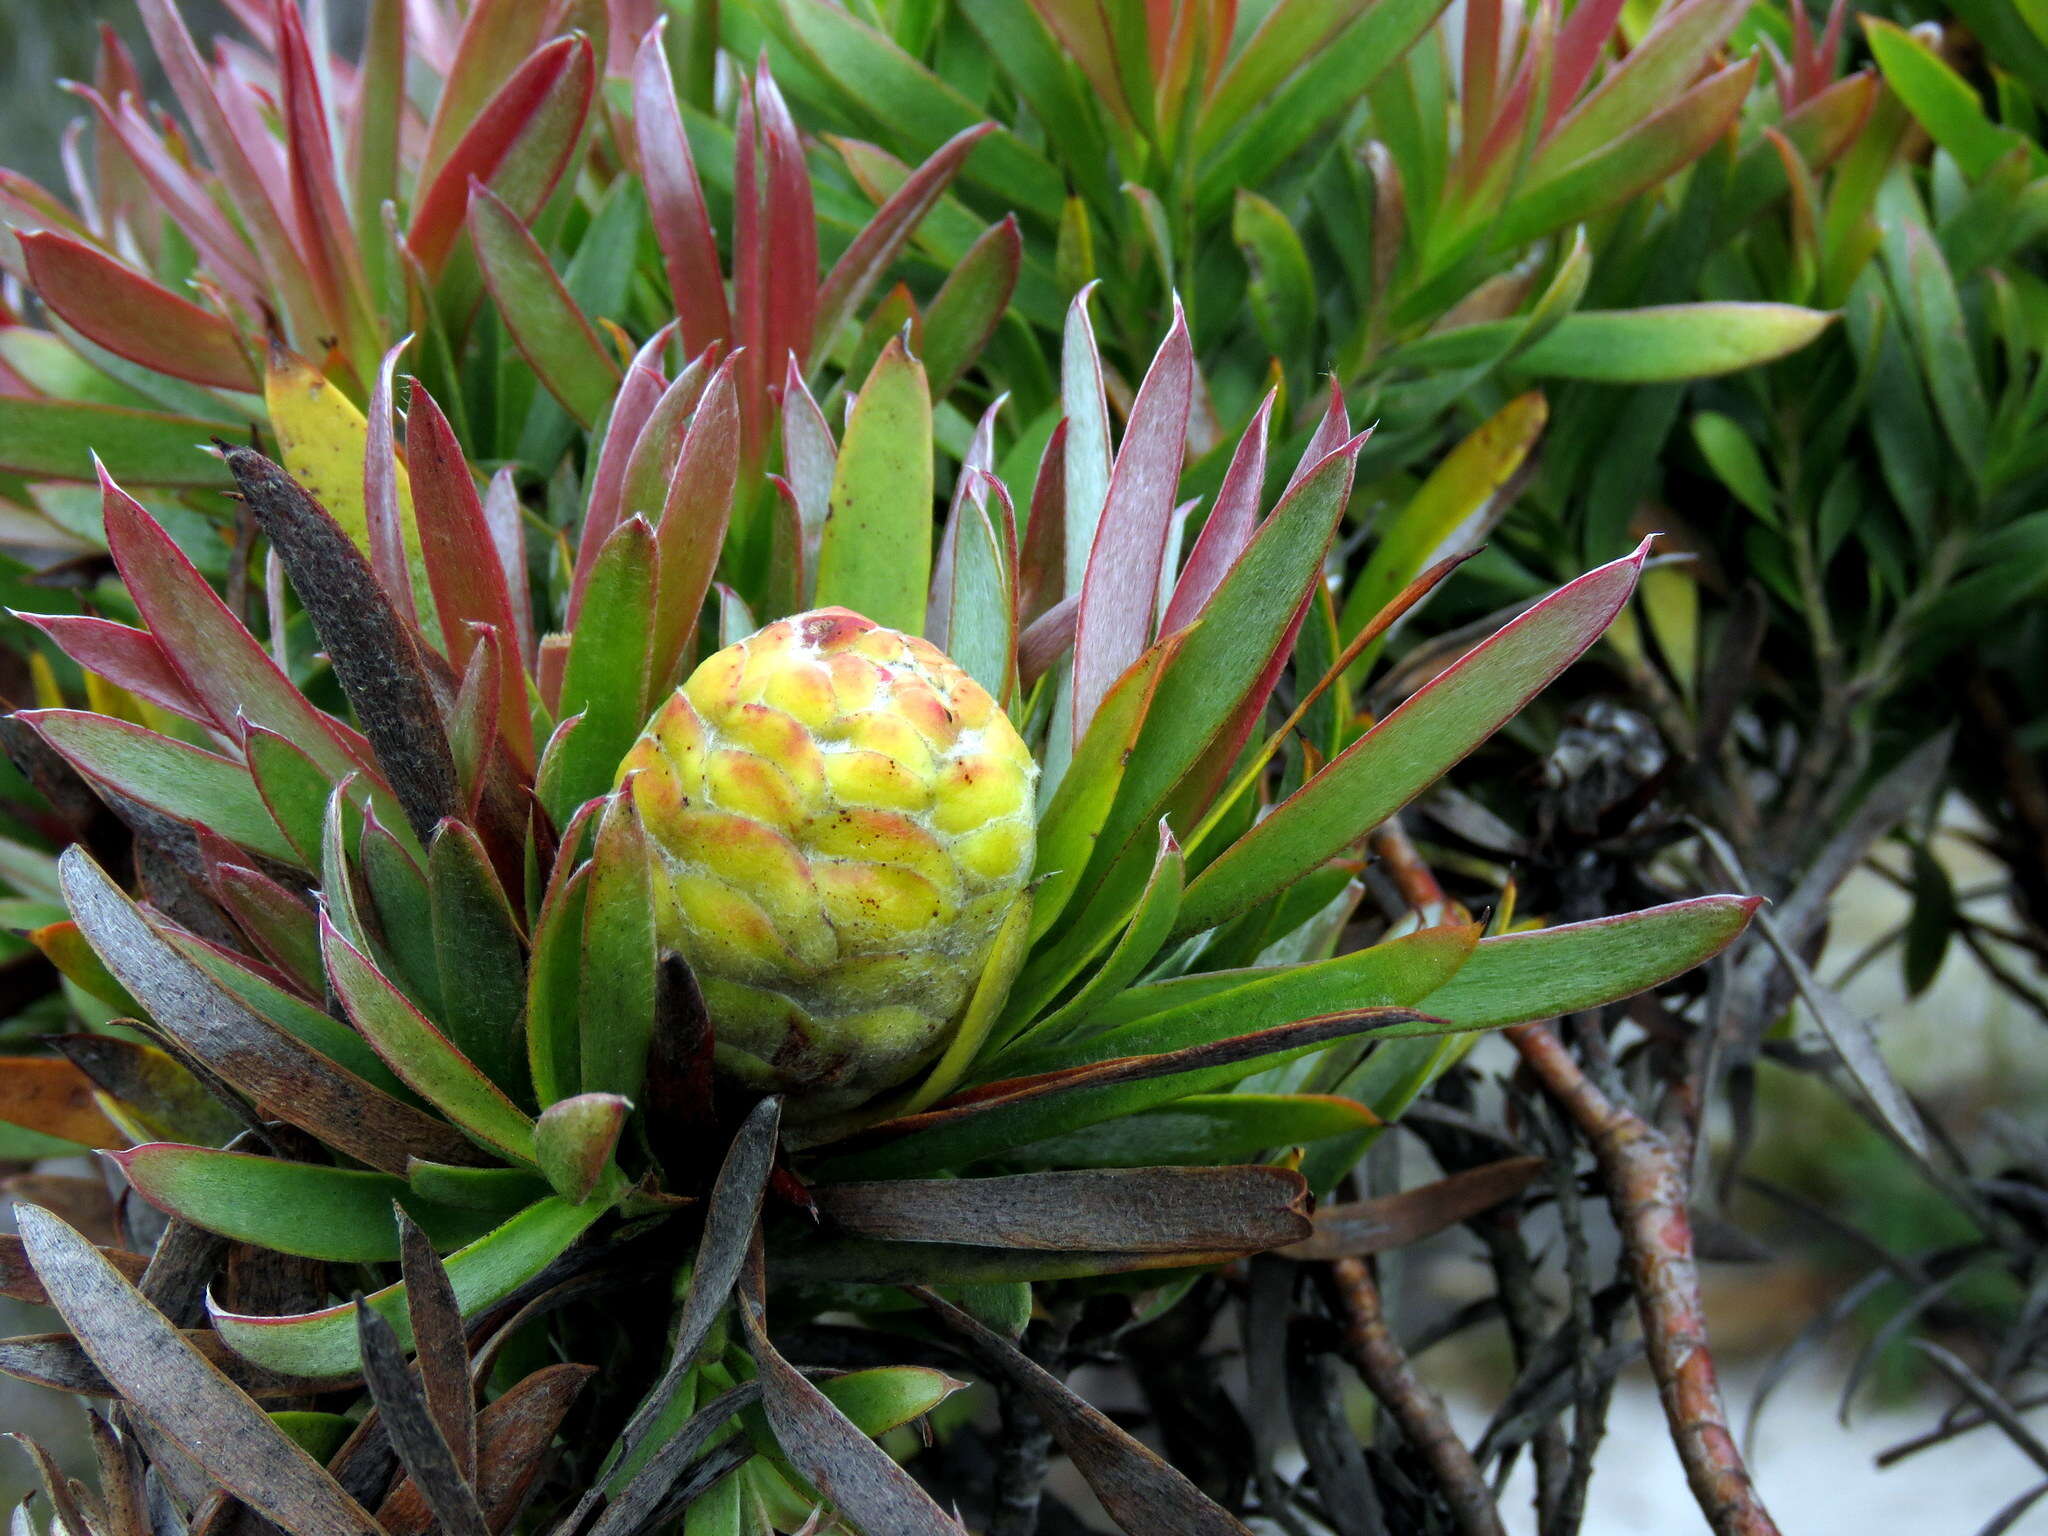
<point x="1818" y="1478"/>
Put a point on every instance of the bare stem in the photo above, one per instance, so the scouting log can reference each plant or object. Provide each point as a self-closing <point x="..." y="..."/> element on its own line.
<point x="1646" y="1189"/>
<point x="1369" y="1344"/>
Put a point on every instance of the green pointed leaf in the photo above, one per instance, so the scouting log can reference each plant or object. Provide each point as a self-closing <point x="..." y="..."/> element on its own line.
<point x="57" y="440"/>
<point x="256" y="1057"/>
<point x="1072" y="824"/>
<point x="964" y="313"/>
<point x="1252" y="139"/>
<point x="405" y="919"/>
<point x="339" y="1214"/>
<point x="132" y="316"/>
<point x="1655" y="71"/>
<point x="311" y="1026"/>
<point x="619" y="955"/>
<point x="981" y="628"/>
<point x="879" y="82"/>
<point x="481" y="958"/>
<point x="605" y="679"/>
<point x="546" y="325"/>
<point x="1669" y="343"/>
<point x="1412" y="748"/>
<point x="552" y="992"/>
<point x="1648" y="153"/>
<point x="1732" y="456"/>
<point x="1519" y="977"/>
<point x="1203" y="687"/>
<point x="1283" y="285"/>
<point x="210" y="648"/>
<point x="1941" y="336"/>
<point x="574" y="1141"/>
<point x="294" y="790"/>
<point x="1203" y="1128"/>
<point x="1944" y="103"/>
<point x="1174" y="1015"/>
<point x="1135" y="948"/>
<point x="420" y="1054"/>
<point x="875" y="554"/>
<point x="167" y="775"/>
<point x="322" y="1345"/>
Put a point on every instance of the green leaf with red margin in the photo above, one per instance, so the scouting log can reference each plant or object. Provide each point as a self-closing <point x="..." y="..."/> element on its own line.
<point x="339" y="1214"/>
<point x="167" y="775"/>
<point x="879" y="82"/>
<point x="322" y="1345"/>
<point x="574" y="1140"/>
<point x="1650" y="152"/>
<point x="967" y="308"/>
<point x="1137" y="944"/>
<point x="128" y="658"/>
<point x="254" y="1055"/>
<point x="269" y="229"/>
<point x="1412" y="748"/>
<point x="1199" y="1039"/>
<point x="875" y="553"/>
<point x="1820" y="128"/>
<point x="617" y="996"/>
<point x="1656" y="71"/>
<point x="1174" y="1015"/>
<point x="481" y="957"/>
<point x="1517" y="978"/>
<point x="518" y="145"/>
<point x="675" y="199"/>
<point x="460" y="558"/>
<point x="546" y="325"/>
<point x="606" y="677"/>
<point x="553" y="980"/>
<point x="695" y="513"/>
<point x="1247" y="140"/>
<point x="882" y="239"/>
<point x="132" y="317"/>
<point x="221" y="663"/>
<point x="420" y="1054"/>
<point x="1202" y="689"/>
<point x="1072" y="823"/>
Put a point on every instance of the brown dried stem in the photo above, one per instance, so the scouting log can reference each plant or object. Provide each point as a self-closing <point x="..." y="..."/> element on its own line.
<point x="1369" y="1344"/>
<point x="1646" y="1188"/>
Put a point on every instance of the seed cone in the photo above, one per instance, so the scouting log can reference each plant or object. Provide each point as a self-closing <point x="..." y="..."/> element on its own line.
<point x="842" y="819"/>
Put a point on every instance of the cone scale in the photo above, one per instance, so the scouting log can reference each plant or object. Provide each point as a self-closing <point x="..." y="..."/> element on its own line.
<point x="842" y="819"/>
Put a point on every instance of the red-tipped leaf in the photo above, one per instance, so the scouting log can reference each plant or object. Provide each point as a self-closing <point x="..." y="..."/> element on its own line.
<point x="128" y="314"/>
<point x="1117" y="594"/>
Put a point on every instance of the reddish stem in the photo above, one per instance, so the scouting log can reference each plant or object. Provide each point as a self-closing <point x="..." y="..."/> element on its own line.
<point x="1370" y="1346"/>
<point x="1646" y="1188"/>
